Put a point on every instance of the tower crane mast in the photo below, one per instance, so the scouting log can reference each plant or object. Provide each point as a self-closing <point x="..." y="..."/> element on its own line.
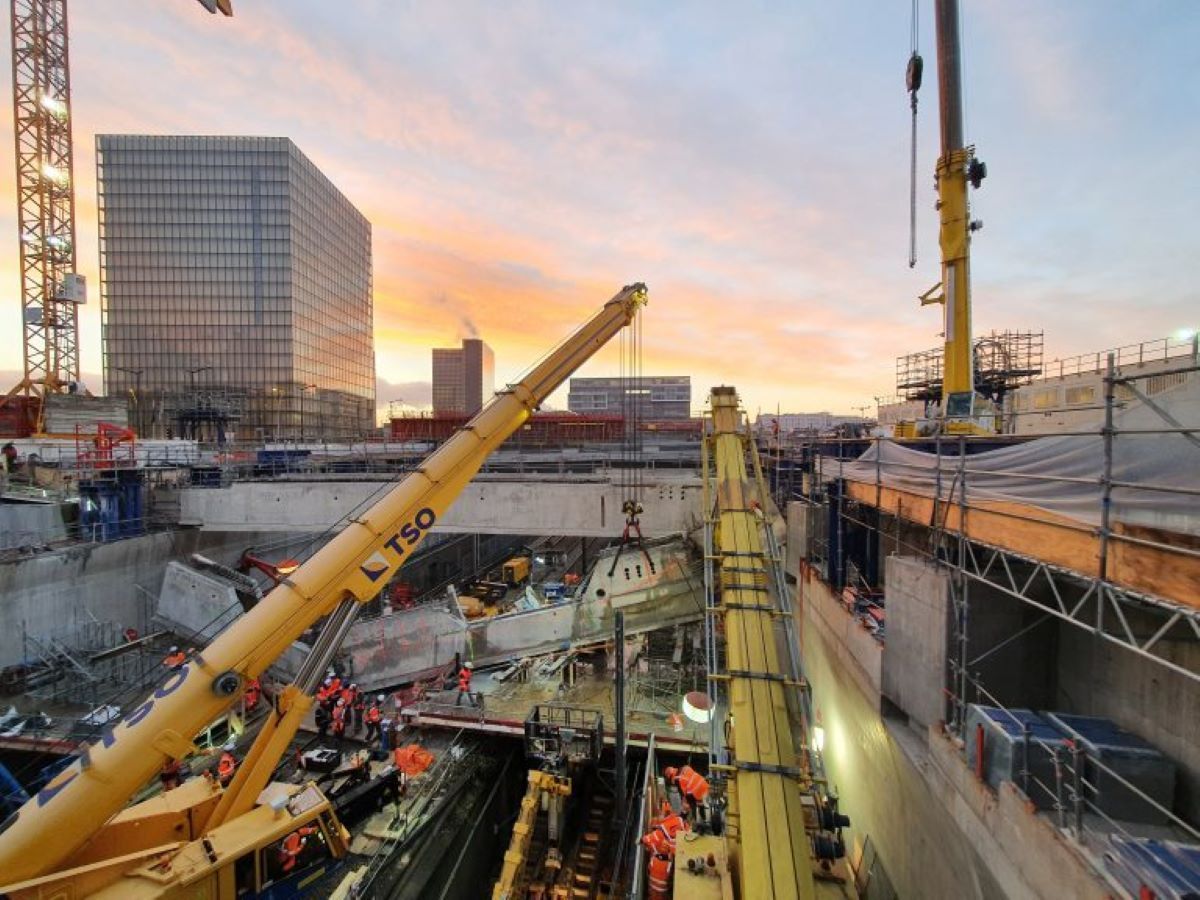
<point x="51" y="290"/>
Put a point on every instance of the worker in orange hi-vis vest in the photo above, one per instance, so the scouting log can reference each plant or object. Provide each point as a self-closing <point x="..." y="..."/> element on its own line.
<point x="373" y="717"/>
<point x="340" y="712"/>
<point x="658" y="876"/>
<point x="660" y="838"/>
<point x="692" y="785"/>
<point x="174" y="659"/>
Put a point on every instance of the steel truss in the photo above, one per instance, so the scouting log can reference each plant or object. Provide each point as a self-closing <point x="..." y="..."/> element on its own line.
<point x="1097" y="606"/>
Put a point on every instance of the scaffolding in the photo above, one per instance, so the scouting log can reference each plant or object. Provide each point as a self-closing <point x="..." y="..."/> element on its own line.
<point x="92" y="663"/>
<point x="1003" y="360"/>
<point x="1117" y="556"/>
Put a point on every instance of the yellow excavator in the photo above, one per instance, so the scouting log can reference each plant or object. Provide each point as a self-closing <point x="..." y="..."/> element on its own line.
<point x="255" y="838"/>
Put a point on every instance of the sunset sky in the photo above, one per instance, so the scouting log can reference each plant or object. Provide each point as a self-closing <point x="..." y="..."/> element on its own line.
<point x="749" y="162"/>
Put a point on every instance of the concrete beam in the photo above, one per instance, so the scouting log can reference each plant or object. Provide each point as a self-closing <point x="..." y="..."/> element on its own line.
<point x="573" y="506"/>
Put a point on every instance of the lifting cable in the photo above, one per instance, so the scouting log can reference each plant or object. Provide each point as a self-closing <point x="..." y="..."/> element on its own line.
<point x="635" y="395"/>
<point x="912" y="81"/>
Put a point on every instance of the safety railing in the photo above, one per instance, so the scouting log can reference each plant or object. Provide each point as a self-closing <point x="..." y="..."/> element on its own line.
<point x="1160" y="350"/>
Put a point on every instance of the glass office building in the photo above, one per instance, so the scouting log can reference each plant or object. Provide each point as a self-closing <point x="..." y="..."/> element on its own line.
<point x="235" y="286"/>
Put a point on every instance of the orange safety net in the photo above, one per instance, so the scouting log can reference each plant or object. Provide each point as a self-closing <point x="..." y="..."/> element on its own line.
<point x="413" y="759"/>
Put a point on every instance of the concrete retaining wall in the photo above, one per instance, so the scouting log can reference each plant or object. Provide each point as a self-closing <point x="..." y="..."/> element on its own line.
<point x="938" y="832"/>
<point x="583" y="506"/>
<point x="52" y="593"/>
<point x="918" y="625"/>
<point x="1098" y="678"/>
<point x="26" y="524"/>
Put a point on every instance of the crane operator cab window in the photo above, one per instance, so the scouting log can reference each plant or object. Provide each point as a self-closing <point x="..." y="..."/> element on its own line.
<point x="296" y="852"/>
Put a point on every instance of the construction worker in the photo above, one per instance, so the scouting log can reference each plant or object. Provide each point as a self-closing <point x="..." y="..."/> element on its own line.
<point x="374" y="716"/>
<point x="322" y="718"/>
<point x="290" y="849"/>
<point x="360" y="770"/>
<point x="348" y="693"/>
<point x="175" y="658"/>
<point x="658" y="876"/>
<point x="464" y="684"/>
<point x="227" y="764"/>
<point x="692" y="786"/>
<point x="660" y="838"/>
<point x="339" y="720"/>
<point x="325" y="695"/>
<point x="358" y="707"/>
<point x="253" y="693"/>
<point x="170" y="775"/>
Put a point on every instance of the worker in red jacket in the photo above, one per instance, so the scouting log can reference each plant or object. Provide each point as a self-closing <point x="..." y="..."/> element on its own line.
<point x="464" y="684"/>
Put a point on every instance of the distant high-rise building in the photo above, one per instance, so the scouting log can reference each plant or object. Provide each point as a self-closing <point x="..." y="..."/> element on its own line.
<point x="235" y="289"/>
<point x="464" y="378"/>
<point x="659" y="398"/>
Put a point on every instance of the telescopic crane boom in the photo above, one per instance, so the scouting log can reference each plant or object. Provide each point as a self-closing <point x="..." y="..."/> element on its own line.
<point x="66" y="821"/>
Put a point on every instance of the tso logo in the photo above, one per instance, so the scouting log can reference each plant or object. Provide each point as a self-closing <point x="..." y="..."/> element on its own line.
<point x="377" y="564"/>
<point x="173" y="683"/>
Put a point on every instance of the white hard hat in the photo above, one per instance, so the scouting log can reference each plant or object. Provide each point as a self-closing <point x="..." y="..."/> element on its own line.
<point x="341" y="703"/>
<point x="353" y="685"/>
<point x="230" y="746"/>
<point x="328" y="681"/>
<point x="468" y="664"/>
<point x="174" y="649"/>
<point x="379" y="699"/>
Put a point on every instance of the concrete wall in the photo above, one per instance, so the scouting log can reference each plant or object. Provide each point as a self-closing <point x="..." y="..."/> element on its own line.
<point x="1096" y="677"/>
<point x="52" y="593"/>
<point x="26" y="524"/>
<point x="859" y="656"/>
<point x="938" y="832"/>
<point x="796" y="540"/>
<point x="918" y="630"/>
<point x="580" y="506"/>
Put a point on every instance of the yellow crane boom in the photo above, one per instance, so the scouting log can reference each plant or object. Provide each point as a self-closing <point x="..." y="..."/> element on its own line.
<point x="73" y="808"/>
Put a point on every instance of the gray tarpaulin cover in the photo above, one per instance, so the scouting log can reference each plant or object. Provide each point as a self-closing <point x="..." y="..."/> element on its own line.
<point x="1018" y="474"/>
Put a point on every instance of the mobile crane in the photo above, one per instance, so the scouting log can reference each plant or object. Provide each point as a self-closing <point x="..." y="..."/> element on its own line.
<point x="74" y="838"/>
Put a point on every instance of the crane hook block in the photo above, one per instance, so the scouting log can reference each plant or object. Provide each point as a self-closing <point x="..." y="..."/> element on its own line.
<point x="912" y="75"/>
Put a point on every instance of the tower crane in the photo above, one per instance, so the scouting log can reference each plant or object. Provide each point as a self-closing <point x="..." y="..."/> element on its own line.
<point x="75" y="838"/>
<point x="51" y="289"/>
